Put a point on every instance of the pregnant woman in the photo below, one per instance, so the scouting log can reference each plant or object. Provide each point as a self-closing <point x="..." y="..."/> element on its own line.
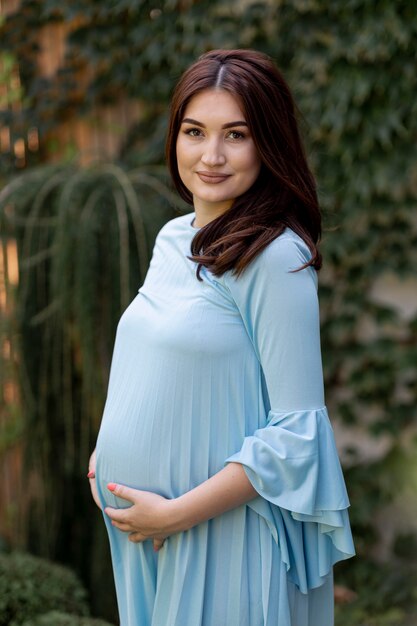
<point x="215" y="465"/>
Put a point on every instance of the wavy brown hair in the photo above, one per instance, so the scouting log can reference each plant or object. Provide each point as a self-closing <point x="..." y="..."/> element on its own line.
<point x="284" y="193"/>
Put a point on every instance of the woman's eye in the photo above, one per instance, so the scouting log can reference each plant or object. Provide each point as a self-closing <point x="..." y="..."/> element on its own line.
<point x="235" y="134"/>
<point x="193" y="132"/>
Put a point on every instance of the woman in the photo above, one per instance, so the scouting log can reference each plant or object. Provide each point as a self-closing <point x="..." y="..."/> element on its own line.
<point x="216" y="465"/>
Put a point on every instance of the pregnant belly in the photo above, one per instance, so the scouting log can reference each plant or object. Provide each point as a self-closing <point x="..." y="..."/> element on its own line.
<point x="162" y="436"/>
<point x="133" y="459"/>
<point x="156" y="452"/>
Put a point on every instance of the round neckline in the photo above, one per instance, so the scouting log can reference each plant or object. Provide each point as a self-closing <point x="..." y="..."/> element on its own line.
<point x="190" y="222"/>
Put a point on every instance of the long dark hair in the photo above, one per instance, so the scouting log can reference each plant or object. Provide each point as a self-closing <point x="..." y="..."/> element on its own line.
<point x="284" y="193"/>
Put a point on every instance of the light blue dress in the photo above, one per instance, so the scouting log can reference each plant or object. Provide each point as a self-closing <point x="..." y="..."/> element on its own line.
<point x="203" y="374"/>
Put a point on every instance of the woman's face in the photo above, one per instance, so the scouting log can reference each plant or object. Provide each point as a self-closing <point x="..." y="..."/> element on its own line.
<point x="216" y="156"/>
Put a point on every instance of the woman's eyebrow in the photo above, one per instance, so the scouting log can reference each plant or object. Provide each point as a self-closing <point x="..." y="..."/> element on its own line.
<point x="188" y="120"/>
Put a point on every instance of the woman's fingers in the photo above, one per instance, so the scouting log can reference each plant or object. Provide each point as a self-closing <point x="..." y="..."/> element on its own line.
<point x="126" y="528"/>
<point x="157" y="544"/>
<point x="123" y="516"/>
<point x="139" y="520"/>
<point x="91" y="477"/>
<point x="137" y="537"/>
<point x="94" y="492"/>
<point x="121" y="491"/>
<point x="92" y="465"/>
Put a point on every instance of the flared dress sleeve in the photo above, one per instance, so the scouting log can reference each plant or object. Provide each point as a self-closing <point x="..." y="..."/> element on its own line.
<point x="293" y="462"/>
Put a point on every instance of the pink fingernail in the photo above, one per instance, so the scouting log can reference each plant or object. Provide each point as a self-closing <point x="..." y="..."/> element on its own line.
<point x="111" y="486"/>
<point x="91" y="474"/>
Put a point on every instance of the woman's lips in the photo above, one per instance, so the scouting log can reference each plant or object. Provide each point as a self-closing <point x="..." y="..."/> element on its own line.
<point x="212" y="179"/>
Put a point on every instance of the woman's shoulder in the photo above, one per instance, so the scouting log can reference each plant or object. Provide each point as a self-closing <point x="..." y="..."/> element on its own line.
<point x="174" y="233"/>
<point x="288" y="247"/>
<point x="283" y="255"/>
<point x="286" y="252"/>
<point x="177" y="224"/>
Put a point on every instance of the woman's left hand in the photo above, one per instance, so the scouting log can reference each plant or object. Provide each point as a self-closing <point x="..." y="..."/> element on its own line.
<point x="149" y="517"/>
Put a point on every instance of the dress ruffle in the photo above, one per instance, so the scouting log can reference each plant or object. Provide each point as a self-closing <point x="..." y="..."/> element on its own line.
<point x="294" y="466"/>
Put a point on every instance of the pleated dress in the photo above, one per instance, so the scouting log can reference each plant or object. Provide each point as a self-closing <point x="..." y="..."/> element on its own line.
<point x="213" y="372"/>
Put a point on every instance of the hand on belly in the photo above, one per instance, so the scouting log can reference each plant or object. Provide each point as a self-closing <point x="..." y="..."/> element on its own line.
<point x="148" y="517"/>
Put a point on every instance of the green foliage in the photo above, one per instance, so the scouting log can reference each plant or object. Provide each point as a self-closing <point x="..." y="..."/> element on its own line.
<point x="355" y="615"/>
<point x="353" y="78"/>
<point x="85" y="236"/>
<point x="127" y="48"/>
<point x="386" y="594"/>
<point x="31" y="586"/>
<point x="56" y="618"/>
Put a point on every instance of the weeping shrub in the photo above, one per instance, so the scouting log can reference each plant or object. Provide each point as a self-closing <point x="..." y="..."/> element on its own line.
<point x="85" y="238"/>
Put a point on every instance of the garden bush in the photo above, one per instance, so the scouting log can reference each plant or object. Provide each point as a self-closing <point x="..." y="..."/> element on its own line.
<point x="31" y="586"/>
<point x="56" y="618"/>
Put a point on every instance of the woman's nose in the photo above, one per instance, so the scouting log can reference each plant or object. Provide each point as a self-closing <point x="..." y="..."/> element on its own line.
<point x="213" y="154"/>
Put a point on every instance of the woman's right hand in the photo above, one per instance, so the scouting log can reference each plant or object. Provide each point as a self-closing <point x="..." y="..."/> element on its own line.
<point x="157" y="543"/>
<point x="92" y="478"/>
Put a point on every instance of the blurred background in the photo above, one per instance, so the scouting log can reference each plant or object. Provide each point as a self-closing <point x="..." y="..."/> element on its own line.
<point x="84" y="92"/>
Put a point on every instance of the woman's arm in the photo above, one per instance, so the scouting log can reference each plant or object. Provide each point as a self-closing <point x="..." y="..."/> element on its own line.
<point x="226" y="490"/>
<point x="153" y="517"/>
